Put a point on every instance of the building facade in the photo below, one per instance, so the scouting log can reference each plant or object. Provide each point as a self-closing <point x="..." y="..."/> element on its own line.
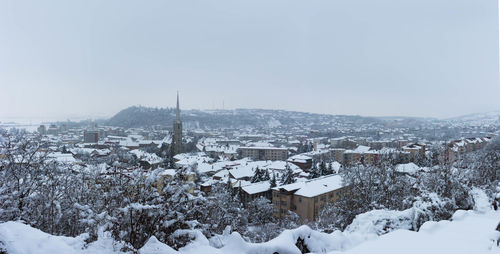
<point x="308" y="198"/>
<point x="263" y="153"/>
<point x="90" y="136"/>
<point x="42" y="129"/>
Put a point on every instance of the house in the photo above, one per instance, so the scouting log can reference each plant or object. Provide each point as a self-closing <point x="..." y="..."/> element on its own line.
<point x="166" y="175"/>
<point x="65" y="158"/>
<point x="147" y="160"/>
<point x="304" y="162"/>
<point x="207" y="186"/>
<point x="241" y="173"/>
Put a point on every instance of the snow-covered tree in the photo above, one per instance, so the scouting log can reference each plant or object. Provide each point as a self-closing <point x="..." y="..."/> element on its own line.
<point x="260" y="211"/>
<point x="287" y="177"/>
<point x="273" y="181"/>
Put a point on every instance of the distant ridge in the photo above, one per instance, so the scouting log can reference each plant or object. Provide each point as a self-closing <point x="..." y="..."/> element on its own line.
<point x="140" y="116"/>
<point x="478" y="119"/>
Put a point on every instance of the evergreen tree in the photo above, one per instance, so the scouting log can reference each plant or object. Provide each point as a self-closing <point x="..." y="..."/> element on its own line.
<point x="273" y="181"/>
<point x="260" y="175"/>
<point x="300" y="148"/>
<point x="322" y="168"/>
<point x="288" y="176"/>
<point x="171" y="162"/>
<point x="229" y="185"/>
<point x="257" y="175"/>
<point x="266" y="176"/>
<point x="238" y="197"/>
<point x="314" y="172"/>
<point x="329" y="169"/>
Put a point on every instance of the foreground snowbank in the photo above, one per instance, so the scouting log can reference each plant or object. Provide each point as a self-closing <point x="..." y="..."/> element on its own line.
<point x="467" y="232"/>
<point x="377" y="231"/>
<point x="16" y="237"/>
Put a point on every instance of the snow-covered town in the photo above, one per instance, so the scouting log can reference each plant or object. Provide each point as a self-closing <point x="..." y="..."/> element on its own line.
<point x="252" y="127"/>
<point x="165" y="189"/>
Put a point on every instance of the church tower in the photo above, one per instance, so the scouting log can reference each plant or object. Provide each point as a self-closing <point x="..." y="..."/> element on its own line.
<point x="177" y="135"/>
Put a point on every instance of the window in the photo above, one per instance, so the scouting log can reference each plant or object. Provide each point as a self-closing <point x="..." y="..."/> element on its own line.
<point x="315" y="199"/>
<point x="300" y="200"/>
<point x="323" y="198"/>
<point x="330" y="195"/>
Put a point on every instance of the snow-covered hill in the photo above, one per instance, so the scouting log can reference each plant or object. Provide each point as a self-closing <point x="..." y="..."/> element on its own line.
<point x="256" y="118"/>
<point x="479" y="119"/>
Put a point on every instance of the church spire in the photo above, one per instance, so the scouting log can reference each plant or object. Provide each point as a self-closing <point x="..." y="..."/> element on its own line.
<point x="177" y="130"/>
<point x="178" y="110"/>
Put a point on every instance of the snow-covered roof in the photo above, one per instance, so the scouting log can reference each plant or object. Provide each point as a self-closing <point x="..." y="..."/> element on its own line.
<point x="61" y="157"/>
<point x="362" y="149"/>
<point x="263" y="148"/>
<point x="101" y="152"/>
<point x="314" y="187"/>
<point x="129" y="143"/>
<point x="301" y="158"/>
<point x="222" y="174"/>
<point x="147" y="142"/>
<point x="151" y="158"/>
<point x="281" y="165"/>
<point x="414" y="147"/>
<point x="242" y="172"/>
<point x="257" y="187"/>
<point x="409" y="168"/>
<point x="220" y="148"/>
<point x="202" y="161"/>
<point x="168" y="172"/>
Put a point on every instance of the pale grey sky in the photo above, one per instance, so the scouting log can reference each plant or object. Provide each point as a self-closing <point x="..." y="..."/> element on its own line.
<point x="435" y="58"/>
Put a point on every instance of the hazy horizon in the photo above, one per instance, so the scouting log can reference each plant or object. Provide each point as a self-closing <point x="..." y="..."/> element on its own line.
<point x="76" y="118"/>
<point x="416" y="58"/>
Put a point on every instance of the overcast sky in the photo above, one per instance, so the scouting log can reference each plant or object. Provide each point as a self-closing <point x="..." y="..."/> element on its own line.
<point x="436" y="58"/>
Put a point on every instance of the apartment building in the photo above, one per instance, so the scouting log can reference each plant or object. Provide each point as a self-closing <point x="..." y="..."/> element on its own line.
<point x="457" y="148"/>
<point x="255" y="190"/>
<point x="338" y="154"/>
<point x="90" y="136"/>
<point x="307" y="198"/>
<point x="416" y="151"/>
<point x="263" y="153"/>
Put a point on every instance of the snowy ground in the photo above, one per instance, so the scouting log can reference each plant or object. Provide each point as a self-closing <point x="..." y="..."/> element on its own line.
<point x="467" y="232"/>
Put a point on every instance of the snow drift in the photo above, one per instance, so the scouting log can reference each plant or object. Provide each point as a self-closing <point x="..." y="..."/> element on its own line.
<point x="377" y="231"/>
<point x="467" y="232"/>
